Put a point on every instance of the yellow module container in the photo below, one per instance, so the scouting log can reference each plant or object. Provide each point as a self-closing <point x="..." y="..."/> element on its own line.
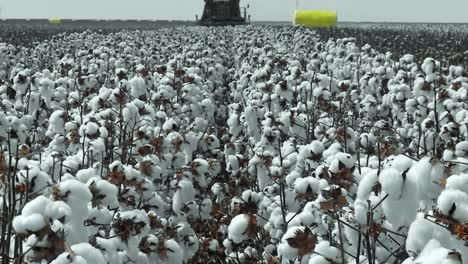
<point x="55" y="20"/>
<point x="315" y="18"/>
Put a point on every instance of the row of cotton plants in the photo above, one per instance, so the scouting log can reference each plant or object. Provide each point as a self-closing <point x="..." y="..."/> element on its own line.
<point x="230" y="145"/>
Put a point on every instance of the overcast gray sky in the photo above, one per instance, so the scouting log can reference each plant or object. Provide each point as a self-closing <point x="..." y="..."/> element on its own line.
<point x="273" y="10"/>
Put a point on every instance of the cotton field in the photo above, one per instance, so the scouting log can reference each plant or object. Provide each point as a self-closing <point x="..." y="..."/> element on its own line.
<point x="239" y="145"/>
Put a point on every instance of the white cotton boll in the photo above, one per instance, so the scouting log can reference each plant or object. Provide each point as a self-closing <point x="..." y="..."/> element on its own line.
<point x="249" y="196"/>
<point x="316" y="259"/>
<point x="401" y="206"/>
<point x="284" y="249"/>
<point x="68" y="258"/>
<point x="237" y="228"/>
<point x="233" y="164"/>
<point x="317" y="147"/>
<point x="427" y="178"/>
<point x="461" y="149"/>
<point x="361" y="209"/>
<point x="89" y="253"/>
<point x="30" y="223"/>
<point x="131" y="173"/>
<point x="185" y="193"/>
<point x="108" y="250"/>
<point x="454" y="203"/>
<point x="77" y="196"/>
<point x="434" y="253"/>
<point x="130" y="115"/>
<point x="38" y="205"/>
<point x="174" y="254"/>
<point x="208" y="107"/>
<point x="138" y="87"/>
<point x="429" y="65"/>
<point x="103" y="133"/>
<point x="419" y="233"/>
<point x="461" y="166"/>
<point x="170" y="125"/>
<point x="57" y="122"/>
<point x="97" y="147"/>
<point x="100" y="216"/>
<point x="366" y="185"/>
<point x="67" y="176"/>
<point x="84" y="175"/>
<point x="308" y="184"/>
<point x="71" y="163"/>
<point x="457" y="182"/>
<point x="341" y="158"/>
<point x="323" y="184"/>
<point x="400" y="162"/>
<point x="302" y="219"/>
<point x="69" y="126"/>
<point x="161" y="115"/>
<point x="75" y="190"/>
<point x="107" y="189"/>
<point x="189" y="245"/>
<point x="325" y="249"/>
<point x="407" y="59"/>
<point x="57" y="209"/>
<point x="234" y="124"/>
<point x="200" y="166"/>
<point x="306" y="218"/>
<point x="314" y="148"/>
<point x="448" y="155"/>
<point x="89" y="129"/>
<point x="332" y="150"/>
<point x="392" y="183"/>
<point x="104" y="93"/>
<point x="292" y="177"/>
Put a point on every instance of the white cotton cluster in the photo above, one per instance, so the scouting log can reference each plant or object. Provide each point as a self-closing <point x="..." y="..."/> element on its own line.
<point x="368" y="181"/>
<point x="31" y="218"/>
<point x="84" y="175"/>
<point x="31" y="223"/>
<point x="76" y="195"/>
<point x="434" y="253"/>
<point x="314" y="148"/>
<point x="107" y="190"/>
<point x="32" y="173"/>
<point x="69" y="258"/>
<point x="39" y="213"/>
<point x="308" y="184"/>
<point x="461" y="149"/>
<point x="57" y="122"/>
<point x="250" y="196"/>
<point x="200" y="166"/>
<point x="392" y="183"/>
<point x="89" y="253"/>
<point x="401" y="205"/>
<point x="169" y="252"/>
<point x="108" y="249"/>
<point x="131" y="115"/>
<point x="454" y="203"/>
<point x="185" y="193"/>
<point x="138" y="87"/>
<point x="457" y="182"/>
<point x="427" y="173"/>
<point x="325" y="253"/>
<point x="341" y="159"/>
<point x="284" y="248"/>
<point x="58" y="210"/>
<point x="238" y="227"/>
<point x="398" y="162"/>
